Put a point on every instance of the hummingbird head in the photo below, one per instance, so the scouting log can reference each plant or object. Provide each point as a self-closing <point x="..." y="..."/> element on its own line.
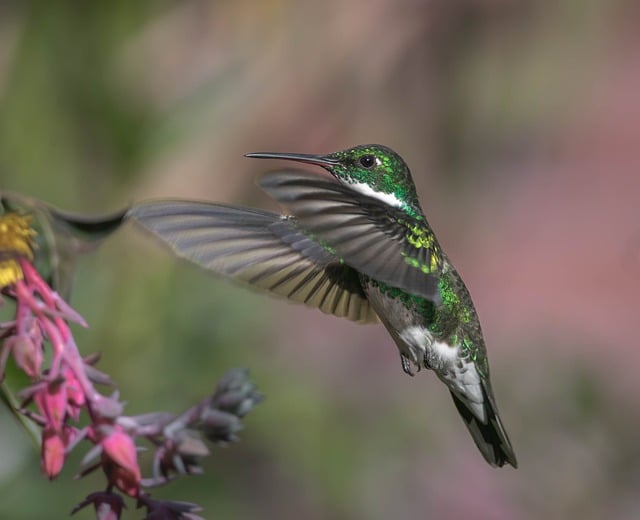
<point x="371" y="169"/>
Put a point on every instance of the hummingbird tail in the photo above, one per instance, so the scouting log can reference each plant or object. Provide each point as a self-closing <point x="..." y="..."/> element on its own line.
<point x="490" y="436"/>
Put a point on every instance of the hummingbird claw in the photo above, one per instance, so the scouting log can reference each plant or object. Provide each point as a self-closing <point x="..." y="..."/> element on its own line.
<point x="425" y="360"/>
<point x="406" y="365"/>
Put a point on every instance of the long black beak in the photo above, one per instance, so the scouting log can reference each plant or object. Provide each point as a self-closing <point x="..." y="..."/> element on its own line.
<point x="320" y="160"/>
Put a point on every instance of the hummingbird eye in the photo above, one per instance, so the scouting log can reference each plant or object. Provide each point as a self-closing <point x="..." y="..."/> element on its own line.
<point x="367" y="161"/>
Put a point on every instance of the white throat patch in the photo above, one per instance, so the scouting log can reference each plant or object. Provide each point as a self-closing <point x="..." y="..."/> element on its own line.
<point x="387" y="198"/>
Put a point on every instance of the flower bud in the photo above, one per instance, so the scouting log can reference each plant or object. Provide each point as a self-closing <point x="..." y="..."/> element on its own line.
<point x="53" y="452"/>
<point x="26" y="353"/>
<point x="120" y="462"/>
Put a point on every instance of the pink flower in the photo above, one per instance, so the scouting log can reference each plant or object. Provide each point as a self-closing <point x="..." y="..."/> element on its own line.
<point x="64" y="385"/>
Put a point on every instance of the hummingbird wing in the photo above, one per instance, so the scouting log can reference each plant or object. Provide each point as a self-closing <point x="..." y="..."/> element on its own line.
<point x="376" y="239"/>
<point x="265" y="250"/>
<point x="62" y="236"/>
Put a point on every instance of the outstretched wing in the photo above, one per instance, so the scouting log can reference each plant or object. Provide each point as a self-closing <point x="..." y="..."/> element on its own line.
<point x="61" y="237"/>
<point x="262" y="249"/>
<point x="376" y="239"/>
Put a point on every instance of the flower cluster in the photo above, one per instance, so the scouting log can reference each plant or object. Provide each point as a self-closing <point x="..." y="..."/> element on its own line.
<point x="66" y="387"/>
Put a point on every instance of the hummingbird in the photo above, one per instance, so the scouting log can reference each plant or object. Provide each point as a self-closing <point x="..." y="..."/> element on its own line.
<point x="355" y="244"/>
<point x="60" y="236"/>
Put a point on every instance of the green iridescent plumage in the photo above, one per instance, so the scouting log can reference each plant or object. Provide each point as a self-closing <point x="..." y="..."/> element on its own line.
<point x="359" y="248"/>
<point x="391" y="177"/>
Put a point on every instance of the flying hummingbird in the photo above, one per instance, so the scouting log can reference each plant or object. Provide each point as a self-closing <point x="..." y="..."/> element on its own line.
<point x="359" y="248"/>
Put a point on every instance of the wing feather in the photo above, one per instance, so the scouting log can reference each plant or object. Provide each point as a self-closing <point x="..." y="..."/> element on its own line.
<point x="383" y="242"/>
<point x="262" y="249"/>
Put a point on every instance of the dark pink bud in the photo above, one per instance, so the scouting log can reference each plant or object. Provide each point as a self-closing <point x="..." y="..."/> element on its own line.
<point x="51" y="399"/>
<point x="75" y="395"/>
<point x="120" y="462"/>
<point x="54" y="449"/>
<point x="53" y="452"/>
<point x="76" y="398"/>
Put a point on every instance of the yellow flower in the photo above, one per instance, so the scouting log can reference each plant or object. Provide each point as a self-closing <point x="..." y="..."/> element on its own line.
<point x="16" y="241"/>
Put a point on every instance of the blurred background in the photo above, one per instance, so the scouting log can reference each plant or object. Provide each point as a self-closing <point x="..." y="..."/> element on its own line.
<point x="521" y="124"/>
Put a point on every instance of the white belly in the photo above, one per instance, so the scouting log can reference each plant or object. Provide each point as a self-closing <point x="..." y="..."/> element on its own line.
<point x="459" y="374"/>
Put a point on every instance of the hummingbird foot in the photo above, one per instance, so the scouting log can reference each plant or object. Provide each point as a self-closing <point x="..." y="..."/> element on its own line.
<point x="426" y="362"/>
<point x="406" y="364"/>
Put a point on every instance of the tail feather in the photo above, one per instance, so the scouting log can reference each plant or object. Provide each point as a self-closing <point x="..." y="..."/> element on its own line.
<point x="490" y="436"/>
